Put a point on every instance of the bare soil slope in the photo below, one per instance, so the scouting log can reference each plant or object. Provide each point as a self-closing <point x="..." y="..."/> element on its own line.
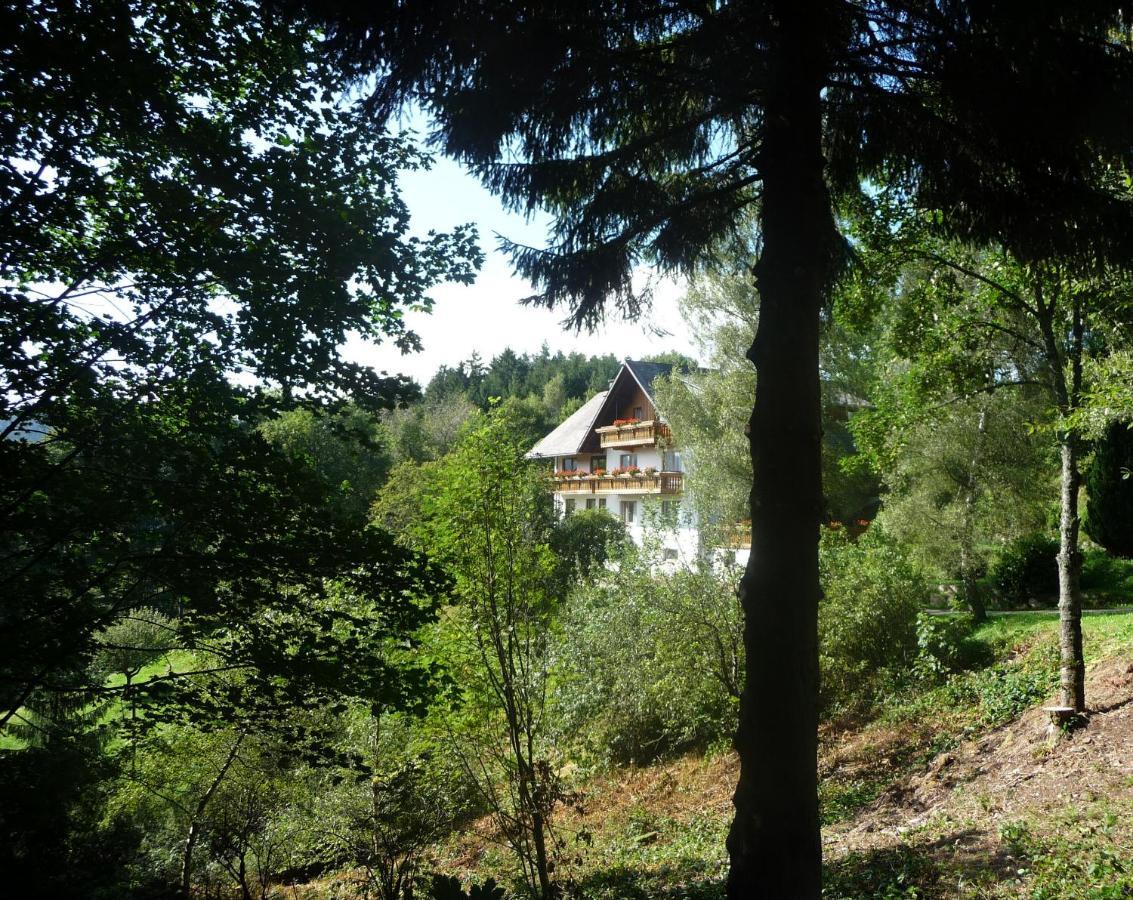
<point x="968" y="809"/>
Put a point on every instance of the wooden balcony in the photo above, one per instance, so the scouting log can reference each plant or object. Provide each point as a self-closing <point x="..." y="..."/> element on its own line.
<point x="640" y="483"/>
<point x="637" y="434"/>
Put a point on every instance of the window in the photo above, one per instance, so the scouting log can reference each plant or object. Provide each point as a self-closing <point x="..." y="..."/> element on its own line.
<point x="569" y="506"/>
<point x="601" y="502"/>
<point x="671" y="510"/>
<point x="590" y="502"/>
<point x="629" y="510"/>
<point x="671" y="461"/>
<point x="638" y="413"/>
<point x="570" y="464"/>
<point x="627" y="459"/>
<point x="670" y="553"/>
<point x="597" y="462"/>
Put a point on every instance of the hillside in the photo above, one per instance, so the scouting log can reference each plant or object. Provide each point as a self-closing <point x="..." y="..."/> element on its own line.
<point x="1007" y="810"/>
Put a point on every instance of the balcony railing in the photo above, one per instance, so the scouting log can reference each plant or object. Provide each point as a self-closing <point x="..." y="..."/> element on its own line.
<point x="637" y="483"/>
<point x="634" y="434"/>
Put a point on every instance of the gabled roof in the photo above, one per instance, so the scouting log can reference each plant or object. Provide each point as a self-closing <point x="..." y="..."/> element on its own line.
<point x="646" y="372"/>
<point x="568" y="438"/>
<point x="643" y="373"/>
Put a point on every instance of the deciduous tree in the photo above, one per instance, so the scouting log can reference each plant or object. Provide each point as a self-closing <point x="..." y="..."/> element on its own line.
<point x="990" y="320"/>
<point x="192" y="219"/>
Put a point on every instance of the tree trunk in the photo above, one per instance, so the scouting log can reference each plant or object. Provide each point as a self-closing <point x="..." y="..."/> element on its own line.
<point x="1068" y="395"/>
<point x="202" y="804"/>
<point x="538" y="827"/>
<point x="242" y="877"/>
<point x="774" y="842"/>
<point x="1073" y="674"/>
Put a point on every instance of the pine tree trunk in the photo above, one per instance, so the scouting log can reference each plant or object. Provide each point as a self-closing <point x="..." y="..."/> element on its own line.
<point x="1073" y="672"/>
<point x="774" y="842"/>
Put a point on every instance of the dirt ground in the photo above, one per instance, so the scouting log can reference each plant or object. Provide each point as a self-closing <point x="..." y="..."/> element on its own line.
<point x="1025" y="770"/>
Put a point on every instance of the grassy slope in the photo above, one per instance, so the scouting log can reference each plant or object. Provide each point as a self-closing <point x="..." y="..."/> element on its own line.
<point x="658" y="832"/>
<point x="178" y="660"/>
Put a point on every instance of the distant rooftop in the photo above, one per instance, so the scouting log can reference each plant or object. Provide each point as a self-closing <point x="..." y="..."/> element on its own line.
<point x="572" y="433"/>
<point x="569" y="436"/>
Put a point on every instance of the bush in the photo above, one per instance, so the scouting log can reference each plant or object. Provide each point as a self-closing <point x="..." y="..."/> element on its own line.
<point x="446" y="887"/>
<point x="868" y="616"/>
<point x="1109" y="579"/>
<point x="1026" y="571"/>
<point x="1005" y="691"/>
<point x="945" y="644"/>
<point x="584" y="541"/>
<point x="648" y="663"/>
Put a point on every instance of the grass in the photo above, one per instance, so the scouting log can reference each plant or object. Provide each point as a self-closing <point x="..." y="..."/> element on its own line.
<point x="1082" y="850"/>
<point x="115" y="709"/>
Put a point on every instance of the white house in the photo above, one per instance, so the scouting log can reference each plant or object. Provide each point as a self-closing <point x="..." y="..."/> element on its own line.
<point x="616" y="453"/>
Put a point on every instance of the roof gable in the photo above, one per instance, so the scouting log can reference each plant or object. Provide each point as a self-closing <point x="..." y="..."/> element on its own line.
<point x="645" y="373"/>
<point x="571" y="435"/>
<point x="572" y="432"/>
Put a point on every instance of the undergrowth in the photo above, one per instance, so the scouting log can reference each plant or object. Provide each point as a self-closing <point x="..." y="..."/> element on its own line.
<point x="643" y="853"/>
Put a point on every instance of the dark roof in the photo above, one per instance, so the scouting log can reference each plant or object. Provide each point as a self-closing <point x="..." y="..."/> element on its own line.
<point x="646" y="372"/>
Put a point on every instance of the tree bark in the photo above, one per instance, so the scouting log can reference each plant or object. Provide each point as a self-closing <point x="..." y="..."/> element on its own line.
<point x="538" y="828"/>
<point x="774" y="842"/>
<point x="1073" y="673"/>
<point x="970" y="591"/>
<point x="1068" y="395"/>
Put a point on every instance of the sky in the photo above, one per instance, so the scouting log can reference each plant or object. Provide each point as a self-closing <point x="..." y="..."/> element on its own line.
<point x="486" y="317"/>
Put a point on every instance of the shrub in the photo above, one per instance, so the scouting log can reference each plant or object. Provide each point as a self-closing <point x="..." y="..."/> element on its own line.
<point x="1109" y="509"/>
<point x="584" y="541"/>
<point x="945" y="644"/>
<point x="1110" y="579"/>
<point x="1027" y="570"/>
<point x="648" y="663"/>
<point x="446" y="887"/>
<point x="868" y="615"/>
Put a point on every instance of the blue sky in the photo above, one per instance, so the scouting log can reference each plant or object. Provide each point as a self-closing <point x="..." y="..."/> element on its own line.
<point x="486" y="317"/>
